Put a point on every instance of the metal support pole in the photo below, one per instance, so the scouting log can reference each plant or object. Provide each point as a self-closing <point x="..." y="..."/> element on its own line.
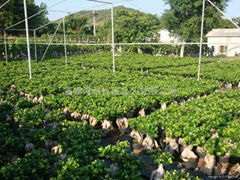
<point x="94" y="23"/>
<point x="201" y="39"/>
<point x="5" y="44"/>
<point x="28" y="44"/>
<point x="35" y="45"/>
<point x="113" y="42"/>
<point x="65" y="42"/>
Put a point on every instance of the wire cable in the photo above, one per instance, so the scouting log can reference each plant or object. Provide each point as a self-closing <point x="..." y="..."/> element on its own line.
<point x="36" y="14"/>
<point x="4" y="4"/>
<point x="223" y="13"/>
<point x="90" y="8"/>
<point x="138" y="7"/>
<point x="51" y="41"/>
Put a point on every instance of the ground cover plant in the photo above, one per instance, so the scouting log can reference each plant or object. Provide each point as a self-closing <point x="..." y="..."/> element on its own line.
<point x="46" y="130"/>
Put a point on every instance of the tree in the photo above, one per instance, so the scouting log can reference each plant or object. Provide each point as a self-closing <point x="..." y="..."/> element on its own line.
<point x="135" y="26"/>
<point x="13" y="12"/>
<point x="237" y="20"/>
<point x="184" y="18"/>
<point x="76" y="24"/>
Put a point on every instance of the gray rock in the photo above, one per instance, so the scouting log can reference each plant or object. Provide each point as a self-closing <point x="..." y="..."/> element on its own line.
<point x="93" y="121"/>
<point x="40" y="99"/>
<point x="221" y="169"/>
<point x="190" y="98"/>
<point x="76" y="115"/>
<point x="123" y="125"/>
<point x="35" y="99"/>
<point x="158" y="173"/>
<point x="142" y="112"/>
<point x="235" y="171"/>
<point x="188" y="154"/>
<point x="174" y="102"/>
<point x="107" y="125"/>
<point x="156" y="144"/>
<point x="29" y="147"/>
<point x="22" y="93"/>
<point x="171" y="146"/>
<point x="209" y="164"/>
<point x="113" y="170"/>
<point x="66" y="110"/>
<point x="189" y="157"/>
<point x="224" y="159"/>
<point x="148" y="143"/>
<point x="182" y="102"/>
<point x="164" y="106"/>
<point x="201" y="152"/>
<point x="137" y="136"/>
<point x="57" y="149"/>
<point x="85" y="117"/>
<point x="13" y="86"/>
<point x="228" y="86"/>
<point x="210" y="161"/>
<point x="63" y="157"/>
<point x="130" y="114"/>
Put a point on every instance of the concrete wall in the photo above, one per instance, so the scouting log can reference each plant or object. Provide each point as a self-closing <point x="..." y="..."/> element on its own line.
<point x="231" y="49"/>
<point x="165" y="37"/>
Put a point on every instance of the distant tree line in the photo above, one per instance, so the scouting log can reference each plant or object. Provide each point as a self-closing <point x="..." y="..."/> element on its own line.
<point x="13" y="12"/>
<point x="183" y="18"/>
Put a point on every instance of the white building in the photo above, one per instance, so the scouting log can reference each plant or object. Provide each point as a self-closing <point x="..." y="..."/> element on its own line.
<point x="164" y="36"/>
<point x="225" y="41"/>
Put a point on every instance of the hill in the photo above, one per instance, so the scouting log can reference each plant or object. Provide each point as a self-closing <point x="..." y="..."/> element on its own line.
<point x="101" y="15"/>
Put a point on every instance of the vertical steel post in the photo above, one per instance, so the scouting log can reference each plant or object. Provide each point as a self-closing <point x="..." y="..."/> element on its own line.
<point x="65" y="42"/>
<point x="201" y="39"/>
<point x="94" y="23"/>
<point x="5" y="44"/>
<point x="35" y="44"/>
<point x="113" y="42"/>
<point x="28" y="44"/>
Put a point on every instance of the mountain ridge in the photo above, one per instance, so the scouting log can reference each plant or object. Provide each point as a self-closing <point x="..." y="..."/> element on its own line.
<point x="101" y="15"/>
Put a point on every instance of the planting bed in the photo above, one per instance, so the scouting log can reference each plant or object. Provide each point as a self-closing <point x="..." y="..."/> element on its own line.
<point x="83" y="121"/>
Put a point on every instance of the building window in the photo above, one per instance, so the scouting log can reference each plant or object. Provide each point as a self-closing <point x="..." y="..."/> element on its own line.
<point x="223" y="49"/>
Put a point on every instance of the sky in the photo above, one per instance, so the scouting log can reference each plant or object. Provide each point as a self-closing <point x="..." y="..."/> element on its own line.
<point x="149" y="6"/>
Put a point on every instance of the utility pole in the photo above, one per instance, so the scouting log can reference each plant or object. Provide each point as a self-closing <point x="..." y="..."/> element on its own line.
<point x="65" y="41"/>
<point x="113" y="42"/>
<point x="5" y="45"/>
<point x="112" y="22"/>
<point x="94" y="23"/>
<point x="28" y="44"/>
<point x="201" y="40"/>
<point x="35" y="44"/>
